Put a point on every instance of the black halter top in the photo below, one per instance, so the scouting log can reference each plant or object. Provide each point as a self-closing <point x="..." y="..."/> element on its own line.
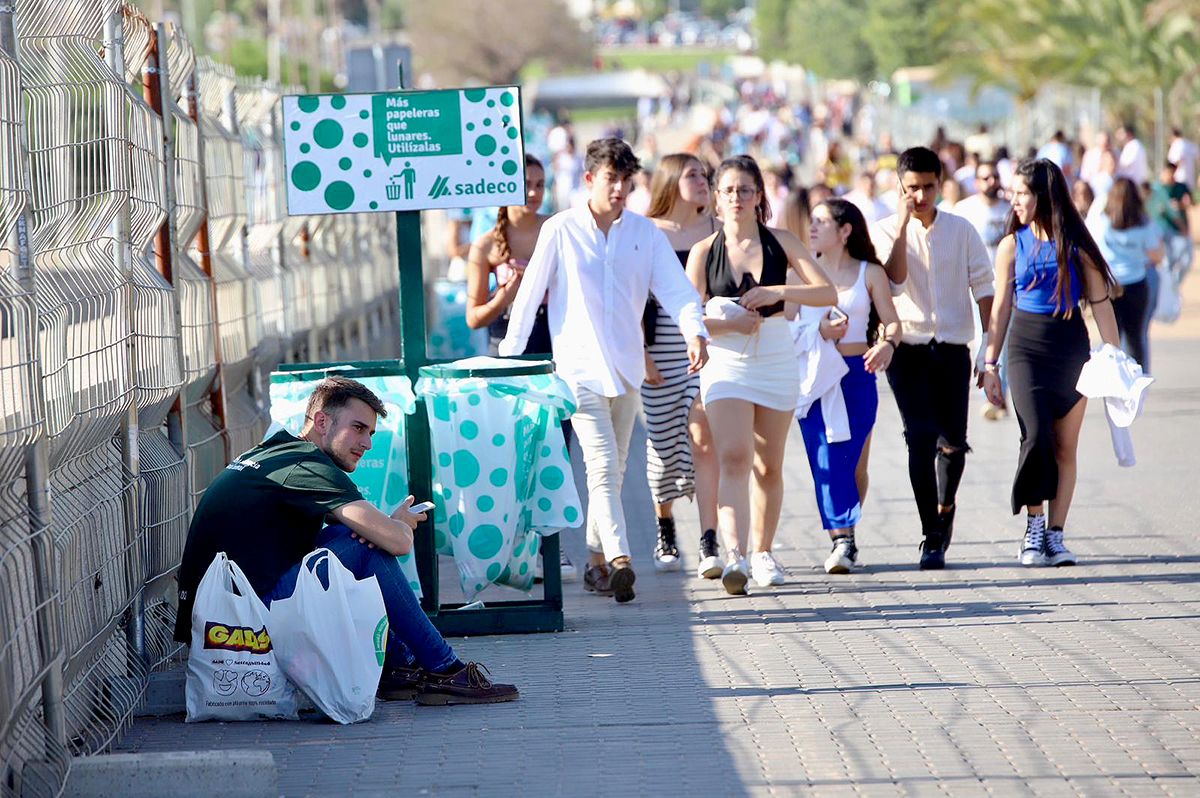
<point x="721" y="281"/>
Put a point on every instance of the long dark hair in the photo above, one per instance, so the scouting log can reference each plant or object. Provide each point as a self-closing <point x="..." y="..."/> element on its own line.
<point x="500" y="231"/>
<point x="1058" y="216"/>
<point x="1123" y="206"/>
<point x="747" y="166"/>
<point x="858" y="246"/>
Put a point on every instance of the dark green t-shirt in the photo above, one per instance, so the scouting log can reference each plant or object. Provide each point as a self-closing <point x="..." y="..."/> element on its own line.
<point x="264" y="511"/>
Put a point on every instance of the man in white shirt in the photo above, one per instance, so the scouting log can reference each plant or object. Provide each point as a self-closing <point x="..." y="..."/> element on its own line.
<point x="988" y="213"/>
<point x="1132" y="162"/>
<point x="937" y="263"/>
<point x="1184" y="154"/>
<point x="596" y="265"/>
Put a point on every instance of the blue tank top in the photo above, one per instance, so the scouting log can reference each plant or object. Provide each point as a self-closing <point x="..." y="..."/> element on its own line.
<point x="1037" y="275"/>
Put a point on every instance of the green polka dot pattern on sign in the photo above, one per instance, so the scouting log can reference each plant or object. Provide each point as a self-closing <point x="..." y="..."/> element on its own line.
<point x="485" y="541"/>
<point x="327" y="134"/>
<point x="544" y="504"/>
<point x="338" y="102"/>
<point x="373" y="204"/>
<point x="507" y="98"/>
<point x="306" y="176"/>
<point x="444" y="459"/>
<point x="295" y="126"/>
<point x="512" y="133"/>
<point x="473" y="400"/>
<point x="469" y="430"/>
<point x="485" y="504"/>
<point x="545" y="451"/>
<point x="305" y="147"/>
<point x="493" y="572"/>
<point x="485" y="145"/>
<point x="366" y="173"/>
<point x="309" y="103"/>
<point x="345" y="164"/>
<point x="509" y="168"/>
<point x="475" y="95"/>
<point x="457" y="524"/>
<point x="364" y="114"/>
<point x="466" y="468"/>
<point x="498" y="439"/>
<point x="339" y="195"/>
<point x="499" y="477"/>
<point x="360" y="140"/>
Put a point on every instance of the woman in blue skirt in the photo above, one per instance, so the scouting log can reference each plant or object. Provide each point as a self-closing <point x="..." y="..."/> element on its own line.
<point x="837" y="421"/>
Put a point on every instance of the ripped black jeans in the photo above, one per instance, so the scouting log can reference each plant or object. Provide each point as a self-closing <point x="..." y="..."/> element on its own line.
<point x="932" y="385"/>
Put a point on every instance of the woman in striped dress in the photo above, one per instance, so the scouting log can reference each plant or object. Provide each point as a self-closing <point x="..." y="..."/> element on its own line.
<point x="680" y="460"/>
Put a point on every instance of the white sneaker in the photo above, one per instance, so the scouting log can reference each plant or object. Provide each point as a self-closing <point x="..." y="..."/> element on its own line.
<point x="766" y="569"/>
<point x="735" y="575"/>
<point x="1033" y="546"/>
<point x="565" y="566"/>
<point x="844" y="557"/>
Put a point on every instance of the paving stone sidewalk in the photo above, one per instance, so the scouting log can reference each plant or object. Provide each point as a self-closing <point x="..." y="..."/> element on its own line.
<point x="983" y="679"/>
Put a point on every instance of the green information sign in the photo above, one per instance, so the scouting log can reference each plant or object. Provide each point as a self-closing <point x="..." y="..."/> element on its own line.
<point x="403" y="150"/>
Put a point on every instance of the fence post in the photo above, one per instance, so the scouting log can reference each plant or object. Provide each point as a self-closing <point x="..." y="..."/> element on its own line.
<point x="118" y="174"/>
<point x="156" y="76"/>
<point x="204" y="246"/>
<point x="37" y="456"/>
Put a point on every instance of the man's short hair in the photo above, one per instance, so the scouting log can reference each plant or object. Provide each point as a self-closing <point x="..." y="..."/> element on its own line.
<point x="919" y="159"/>
<point x="610" y="152"/>
<point x="334" y="393"/>
<point x="988" y="163"/>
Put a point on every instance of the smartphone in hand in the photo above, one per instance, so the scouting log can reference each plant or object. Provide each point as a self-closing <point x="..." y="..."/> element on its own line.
<point x="836" y="314"/>
<point x="423" y="507"/>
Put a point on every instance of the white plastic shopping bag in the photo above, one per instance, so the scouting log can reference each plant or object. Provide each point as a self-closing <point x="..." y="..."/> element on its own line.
<point x="233" y="671"/>
<point x="331" y="641"/>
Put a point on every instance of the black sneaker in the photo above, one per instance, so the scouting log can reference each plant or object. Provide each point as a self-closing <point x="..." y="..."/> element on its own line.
<point x="666" y="554"/>
<point x="470" y="685"/>
<point x="400" y="684"/>
<point x="933" y="556"/>
<point x="711" y="566"/>
<point x="596" y="580"/>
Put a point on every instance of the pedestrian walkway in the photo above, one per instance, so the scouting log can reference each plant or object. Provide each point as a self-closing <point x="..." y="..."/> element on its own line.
<point x="985" y="678"/>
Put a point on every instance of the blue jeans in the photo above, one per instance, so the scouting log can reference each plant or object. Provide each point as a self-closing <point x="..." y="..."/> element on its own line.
<point x="412" y="639"/>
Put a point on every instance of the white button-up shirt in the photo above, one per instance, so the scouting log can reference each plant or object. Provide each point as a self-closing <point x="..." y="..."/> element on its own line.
<point x="947" y="266"/>
<point x="596" y="287"/>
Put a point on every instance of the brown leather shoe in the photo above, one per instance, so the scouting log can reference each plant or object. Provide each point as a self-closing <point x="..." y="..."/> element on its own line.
<point x="621" y="580"/>
<point x="400" y="684"/>
<point x="596" y="580"/>
<point x="470" y="685"/>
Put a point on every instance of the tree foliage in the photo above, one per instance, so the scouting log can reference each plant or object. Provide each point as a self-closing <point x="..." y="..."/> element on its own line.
<point x="462" y="41"/>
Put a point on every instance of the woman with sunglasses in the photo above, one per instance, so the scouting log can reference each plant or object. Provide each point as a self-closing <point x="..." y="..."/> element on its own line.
<point x="751" y="384"/>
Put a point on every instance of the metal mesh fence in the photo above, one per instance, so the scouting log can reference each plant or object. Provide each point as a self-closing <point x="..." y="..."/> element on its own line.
<point x="150" y="278"/>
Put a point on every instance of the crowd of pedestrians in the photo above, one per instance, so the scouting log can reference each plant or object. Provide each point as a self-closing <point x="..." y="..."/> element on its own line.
<point x="720" y="300"/>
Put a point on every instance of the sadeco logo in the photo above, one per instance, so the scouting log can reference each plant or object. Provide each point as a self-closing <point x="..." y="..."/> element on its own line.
<point x="236" y="638"/>
<point x="441" y="187"/>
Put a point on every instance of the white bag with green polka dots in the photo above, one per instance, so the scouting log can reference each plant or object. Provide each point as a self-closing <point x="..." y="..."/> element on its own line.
<point x="501" y="474"/>
<point x="382" y="473"/>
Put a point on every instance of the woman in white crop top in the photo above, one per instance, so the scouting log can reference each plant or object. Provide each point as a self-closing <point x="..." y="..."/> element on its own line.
<point x="843" y="247"/>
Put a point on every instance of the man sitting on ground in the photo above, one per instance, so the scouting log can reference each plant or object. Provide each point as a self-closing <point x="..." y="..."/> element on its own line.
<point x="266" y="511"/>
